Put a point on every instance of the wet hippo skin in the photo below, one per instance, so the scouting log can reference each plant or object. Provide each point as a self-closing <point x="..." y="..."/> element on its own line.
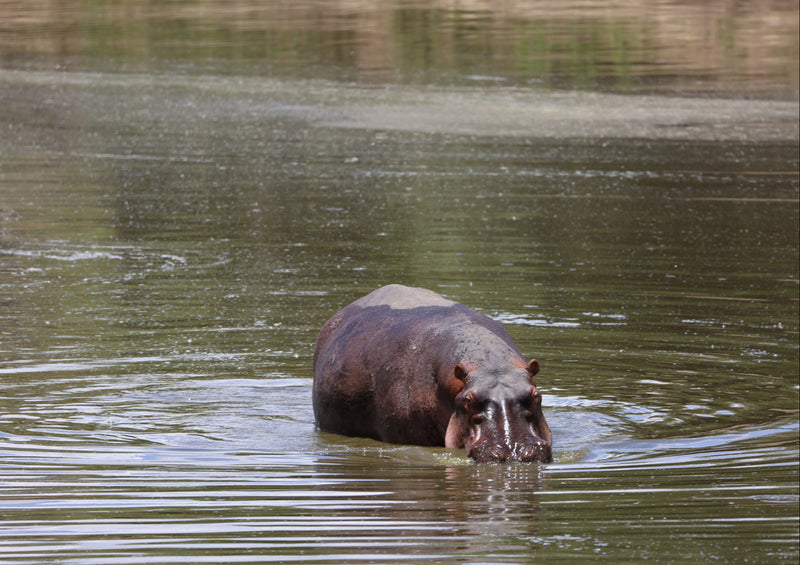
<point x="406" y="365"/>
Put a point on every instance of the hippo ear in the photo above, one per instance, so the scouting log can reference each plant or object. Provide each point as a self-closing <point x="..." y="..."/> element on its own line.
<point x="455" y="382"/>
<point x="533" y="367"/>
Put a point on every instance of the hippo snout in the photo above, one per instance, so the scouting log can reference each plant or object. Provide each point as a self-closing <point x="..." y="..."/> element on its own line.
<point x="539" y="451"/>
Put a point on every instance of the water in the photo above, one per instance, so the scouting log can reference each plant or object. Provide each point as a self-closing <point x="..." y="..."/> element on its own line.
<point x="182" y="207"/>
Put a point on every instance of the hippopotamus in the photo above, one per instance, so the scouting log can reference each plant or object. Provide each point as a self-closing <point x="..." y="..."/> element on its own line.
<point x="408" y="366"/>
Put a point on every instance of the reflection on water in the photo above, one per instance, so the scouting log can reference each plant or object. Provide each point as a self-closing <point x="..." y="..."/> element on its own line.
<point x="171" y="242"/>
<point x="742" y="47"/>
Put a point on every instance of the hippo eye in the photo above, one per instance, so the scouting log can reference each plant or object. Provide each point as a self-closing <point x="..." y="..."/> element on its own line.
<point x="474" y="408"/>
<point x="532" y="398"/>
<point x="531" y="403"/>
<point x="470" y="401"/>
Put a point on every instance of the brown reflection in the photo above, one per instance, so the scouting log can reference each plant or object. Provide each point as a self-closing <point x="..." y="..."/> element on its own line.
<point x="722" y="45"/>
<point x="492" y="502"/>
<point x="429" y="509"/>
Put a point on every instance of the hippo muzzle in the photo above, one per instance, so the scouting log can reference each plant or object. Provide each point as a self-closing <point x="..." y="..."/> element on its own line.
<point x="535" y="450"/>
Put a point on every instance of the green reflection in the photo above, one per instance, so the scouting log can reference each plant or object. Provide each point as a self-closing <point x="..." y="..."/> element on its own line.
<point x="648" y="45"/>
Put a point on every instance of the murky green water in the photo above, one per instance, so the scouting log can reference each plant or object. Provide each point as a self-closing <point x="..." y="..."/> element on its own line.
<point x="188" y="192"/>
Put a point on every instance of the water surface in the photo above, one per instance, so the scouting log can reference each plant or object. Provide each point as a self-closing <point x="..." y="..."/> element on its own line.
<point x="174" y="231"/>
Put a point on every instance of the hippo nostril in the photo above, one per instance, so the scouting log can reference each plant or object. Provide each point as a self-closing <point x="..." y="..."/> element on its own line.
<point x="524" y="453"/>
<point x="528" y="453"/>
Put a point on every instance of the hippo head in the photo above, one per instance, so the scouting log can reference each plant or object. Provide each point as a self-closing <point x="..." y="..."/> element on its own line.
<point x="498" y="416"/>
